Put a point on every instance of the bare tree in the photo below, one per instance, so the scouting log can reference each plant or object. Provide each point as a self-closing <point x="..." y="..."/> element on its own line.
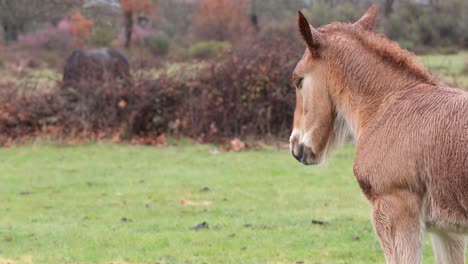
<point x="17" y="15"/>
<point x="128" y="28"/>
<point x="132" y="8"/>
<point x="388" y="7"/>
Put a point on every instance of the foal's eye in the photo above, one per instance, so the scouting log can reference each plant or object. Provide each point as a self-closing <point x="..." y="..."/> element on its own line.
<point x="298" y="83"/>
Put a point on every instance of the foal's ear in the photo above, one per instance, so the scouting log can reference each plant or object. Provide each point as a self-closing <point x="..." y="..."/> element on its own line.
<point x="310" y="35"/>
<point x="367" y="21"/>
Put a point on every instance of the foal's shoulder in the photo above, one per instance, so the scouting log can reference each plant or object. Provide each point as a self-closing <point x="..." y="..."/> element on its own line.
<point x="456" y="98"/>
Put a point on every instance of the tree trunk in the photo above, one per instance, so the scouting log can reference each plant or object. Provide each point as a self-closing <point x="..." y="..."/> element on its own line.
<point x="388" y="7"/>
<point x="128" y="28"/>
<point x="11" y="31"/>
<point x="253" y="15"/>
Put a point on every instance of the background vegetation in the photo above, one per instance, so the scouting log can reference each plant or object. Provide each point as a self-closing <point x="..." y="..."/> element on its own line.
<point x="207" y="69"/>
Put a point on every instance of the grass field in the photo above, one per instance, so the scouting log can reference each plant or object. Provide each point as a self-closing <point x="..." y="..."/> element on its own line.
<point x="451" y="70"/>
<point x="122" y="204"/>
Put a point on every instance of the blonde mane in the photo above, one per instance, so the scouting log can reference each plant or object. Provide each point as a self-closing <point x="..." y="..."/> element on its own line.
<point x="383" y="47"/>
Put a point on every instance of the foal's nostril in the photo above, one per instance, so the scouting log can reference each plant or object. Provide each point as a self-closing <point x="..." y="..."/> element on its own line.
<point x="300" y="152"/>
<point x="308" y="156"/>
<point x="295" y="156"/>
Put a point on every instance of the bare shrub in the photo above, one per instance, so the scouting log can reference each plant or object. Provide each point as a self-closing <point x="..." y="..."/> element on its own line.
<point x="247" y="92"/>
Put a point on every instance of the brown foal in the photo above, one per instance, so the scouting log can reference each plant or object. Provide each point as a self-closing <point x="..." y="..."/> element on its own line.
<point x="412" y="135"/>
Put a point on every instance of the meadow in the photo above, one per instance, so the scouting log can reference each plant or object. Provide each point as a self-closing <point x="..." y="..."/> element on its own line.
<point x="185" y="203"/>
<point x="449" y="69"/>
<point x="100" y="203"/>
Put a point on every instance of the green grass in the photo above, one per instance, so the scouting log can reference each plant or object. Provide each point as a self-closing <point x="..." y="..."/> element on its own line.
<point x="450" y="69"/>
<point x="114" y="203"/>
<point x="31" y="79"/>
<point x="452" y="63"/>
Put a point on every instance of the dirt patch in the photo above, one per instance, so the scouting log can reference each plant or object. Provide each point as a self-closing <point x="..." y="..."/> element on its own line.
<point x="24" y="259"/>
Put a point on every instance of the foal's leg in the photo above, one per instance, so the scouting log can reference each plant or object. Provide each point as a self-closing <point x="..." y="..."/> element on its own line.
<point x="396" y="219"/>
<point x="448" y="249"/>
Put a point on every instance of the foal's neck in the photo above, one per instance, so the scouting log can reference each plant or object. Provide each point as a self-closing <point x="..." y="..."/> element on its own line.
<point x="366" y="83"/>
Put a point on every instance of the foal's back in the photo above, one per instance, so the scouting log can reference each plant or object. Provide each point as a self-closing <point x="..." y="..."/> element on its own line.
<point x="420" y="142"/>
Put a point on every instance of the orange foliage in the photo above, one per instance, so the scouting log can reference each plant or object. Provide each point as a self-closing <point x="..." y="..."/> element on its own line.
<point x="137" y="6"/>
<point x="80" y="27"/>
<point x="222" y="19"/>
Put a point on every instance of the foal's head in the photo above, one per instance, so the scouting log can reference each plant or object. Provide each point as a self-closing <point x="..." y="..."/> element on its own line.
<point x="317" y="124"/>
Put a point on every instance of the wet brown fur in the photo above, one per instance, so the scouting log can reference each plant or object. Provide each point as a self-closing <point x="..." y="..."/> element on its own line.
<point x="412" y="136"/>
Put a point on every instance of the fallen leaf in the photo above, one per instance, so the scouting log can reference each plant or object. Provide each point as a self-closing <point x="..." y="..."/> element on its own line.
<point x="213" y="129"/>
<point x="205" y="189"/>
<point x="116" y="138"/>
<point x="187" y="202"/>
<point x="214" y="152"/>
<point x="202" y="225"/>
<point x="122" y="104"/>
<point x="161" y="139"/>
<point x="317" y="222"/>
<point x="237" y="145"/>
<point x="125" y="219"/>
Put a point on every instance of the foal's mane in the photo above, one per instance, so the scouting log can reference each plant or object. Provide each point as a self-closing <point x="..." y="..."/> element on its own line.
<point x="384" y="48"/>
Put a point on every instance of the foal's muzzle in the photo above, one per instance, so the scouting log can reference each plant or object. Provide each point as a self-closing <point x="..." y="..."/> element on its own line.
<point x="303" y="154"/>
